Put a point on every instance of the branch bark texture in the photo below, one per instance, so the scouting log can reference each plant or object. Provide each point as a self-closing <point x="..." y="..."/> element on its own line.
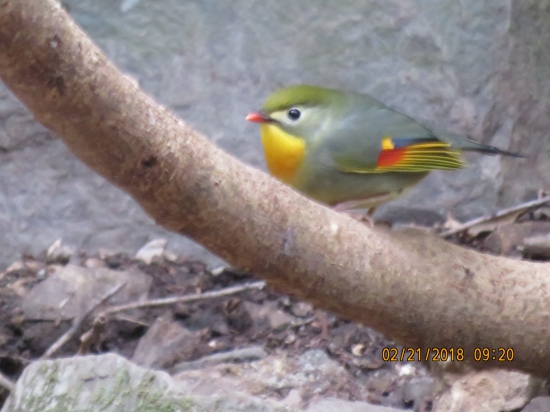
<point x="412" y="287"/>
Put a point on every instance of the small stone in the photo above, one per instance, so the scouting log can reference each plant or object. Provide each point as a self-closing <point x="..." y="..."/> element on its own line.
<point x="58" y="253"/>
<point x="290" y="339"/>
<point x="165" y="343"/>
<point x="302" y="309"/>
<point x="358" y="349"/>
<point x="293" y="399"/>
<point x="34" y="266"/>
<point x="170" y="256"/>
<point x="94" y="263"/>
<point x="217" y="271"/>
<point x="267" y="316"/>
<point x="419" y="390"/>
<point x="151" y="250"/>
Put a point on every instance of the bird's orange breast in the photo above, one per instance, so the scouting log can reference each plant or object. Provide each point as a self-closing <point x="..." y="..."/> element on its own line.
<point x="284" y="152"/>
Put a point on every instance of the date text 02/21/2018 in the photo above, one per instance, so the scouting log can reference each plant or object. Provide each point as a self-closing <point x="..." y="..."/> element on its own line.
<point x="404" y="354"/>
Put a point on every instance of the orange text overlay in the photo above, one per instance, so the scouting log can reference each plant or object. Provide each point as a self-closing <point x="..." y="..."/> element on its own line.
<point x="404" y="354"/>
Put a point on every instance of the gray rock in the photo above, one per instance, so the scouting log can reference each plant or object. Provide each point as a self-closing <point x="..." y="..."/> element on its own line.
<point x="268" y="316"/>
<point x="311" y="374"/>
<point x="420" y="391"/>
<point x="488" y="391"/>
<point x="165" y="343"/>
<point x="540" y="404"/>
<point x="111" y="383"/>
<point x="302" y="309"/>
<point x="71" y="290"/>
<point x="340" y="405"/>
<point x="477" y="68"/>
<point x="511" y="238"/>
<point x="538" y="246"/>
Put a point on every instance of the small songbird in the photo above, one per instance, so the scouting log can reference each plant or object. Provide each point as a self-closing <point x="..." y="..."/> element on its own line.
<point x="348" y="149"/>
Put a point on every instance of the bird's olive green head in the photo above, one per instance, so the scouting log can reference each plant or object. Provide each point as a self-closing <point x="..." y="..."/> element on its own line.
<point x="303" y="110"/>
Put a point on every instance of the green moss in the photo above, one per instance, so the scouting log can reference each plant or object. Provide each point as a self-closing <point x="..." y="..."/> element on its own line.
<point x="151" y="393"/>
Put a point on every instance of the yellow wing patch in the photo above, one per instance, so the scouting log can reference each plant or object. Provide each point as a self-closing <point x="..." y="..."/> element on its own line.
<point x="423" y="156"/>
<point x="414" y="156"/>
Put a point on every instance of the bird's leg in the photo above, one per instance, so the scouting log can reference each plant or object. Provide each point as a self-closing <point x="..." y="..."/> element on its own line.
<point x="368" y="217"/>
<point x="363" y="209"/>
<point x="364" y="215"/>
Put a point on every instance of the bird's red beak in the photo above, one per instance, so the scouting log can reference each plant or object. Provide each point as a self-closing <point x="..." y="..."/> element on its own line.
<point x="258" y="117"/>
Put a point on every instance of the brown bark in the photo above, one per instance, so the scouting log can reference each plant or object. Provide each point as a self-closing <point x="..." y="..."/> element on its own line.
<point x="412" y="287"/>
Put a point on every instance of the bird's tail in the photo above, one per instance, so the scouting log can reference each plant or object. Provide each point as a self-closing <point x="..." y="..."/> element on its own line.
<point x="491" y="150"/>
<point x="469" y="145"/>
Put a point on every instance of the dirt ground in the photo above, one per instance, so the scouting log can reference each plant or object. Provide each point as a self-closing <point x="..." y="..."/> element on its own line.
<point x="284" y="324"/>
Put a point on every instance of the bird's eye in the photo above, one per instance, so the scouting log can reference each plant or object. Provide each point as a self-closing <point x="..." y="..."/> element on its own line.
<point x="294" y="114"/>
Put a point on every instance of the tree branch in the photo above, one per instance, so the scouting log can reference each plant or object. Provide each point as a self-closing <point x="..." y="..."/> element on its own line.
<point x="410" y="286"/>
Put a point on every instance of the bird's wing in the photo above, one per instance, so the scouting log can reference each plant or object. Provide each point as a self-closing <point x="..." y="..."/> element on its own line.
<point x="377" y="139"/>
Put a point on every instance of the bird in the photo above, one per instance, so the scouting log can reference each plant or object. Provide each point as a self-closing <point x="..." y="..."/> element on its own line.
<point x="351" y="151"/>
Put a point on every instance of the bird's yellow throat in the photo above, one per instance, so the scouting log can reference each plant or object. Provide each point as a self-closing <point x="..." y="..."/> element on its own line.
<point x="283" y="152"/>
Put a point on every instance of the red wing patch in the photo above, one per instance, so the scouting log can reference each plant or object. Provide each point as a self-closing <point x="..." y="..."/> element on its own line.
<point x="392" y="157"/>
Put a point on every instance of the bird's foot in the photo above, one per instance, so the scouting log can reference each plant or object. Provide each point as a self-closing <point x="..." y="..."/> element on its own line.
<point x="364" y="216"/>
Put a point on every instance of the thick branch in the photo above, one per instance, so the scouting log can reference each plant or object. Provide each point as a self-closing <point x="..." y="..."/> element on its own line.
<point x="412" y="287"/>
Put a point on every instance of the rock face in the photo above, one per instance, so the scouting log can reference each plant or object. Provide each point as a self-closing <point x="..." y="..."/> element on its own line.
<point x="471" y="67"/>
<point x="489" y="391"/>
<point x="111" y="383"/>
